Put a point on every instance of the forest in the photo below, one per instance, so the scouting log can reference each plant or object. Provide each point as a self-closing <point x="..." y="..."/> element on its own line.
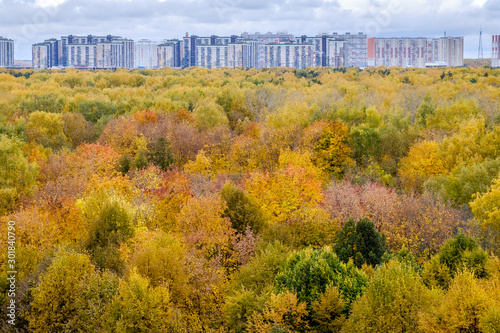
<point x="233" y="200"/>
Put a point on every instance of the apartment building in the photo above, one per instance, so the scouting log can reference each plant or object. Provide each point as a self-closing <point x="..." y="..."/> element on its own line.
<point x="495" y="51"/>
<point x="417" y="52"/>
<point x="6" y="52"/>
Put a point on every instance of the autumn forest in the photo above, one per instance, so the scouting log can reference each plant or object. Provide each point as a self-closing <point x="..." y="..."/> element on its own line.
<point x="233" y="200"/>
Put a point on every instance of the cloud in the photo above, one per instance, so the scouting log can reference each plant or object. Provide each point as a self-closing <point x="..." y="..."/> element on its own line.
<point x="31" y="21"/>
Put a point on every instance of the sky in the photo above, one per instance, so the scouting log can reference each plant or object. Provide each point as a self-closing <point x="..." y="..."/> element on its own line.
<point x="33" y="21"/>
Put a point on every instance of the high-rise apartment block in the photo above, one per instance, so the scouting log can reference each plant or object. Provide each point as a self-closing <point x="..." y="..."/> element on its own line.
<point x="169" y="53"/>
<point x="210" y="52"/>
<point x="242" y="54"/>
<point x="84" y="52"/>
<point x="259" y="44"/>
<point x="355" y="52"/>
<point x="416" y="52"/>
<point x="289" y="55"/>
<point x="145" y="54"/>
<point x="495" y="51"/>
<point x="6" y="52"/>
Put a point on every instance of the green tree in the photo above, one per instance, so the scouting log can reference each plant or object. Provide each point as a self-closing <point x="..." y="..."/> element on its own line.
<point x="242" y="210"/>
<point x="361" y="243"/>
<point x="308" y="273"/>
<point x="464" y="182"/>
<point x="95" y="109"/>
<point x="252" y="285"/>
<point x="457" y="254"/>
<point x="110" y="224"/>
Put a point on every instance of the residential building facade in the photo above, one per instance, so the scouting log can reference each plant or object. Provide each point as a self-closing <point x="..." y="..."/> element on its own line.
<point x="495" y="51"/>
<point x="169" y="54"/>
<point x="84" y="52"/>
<point x="145" y="54"/>
<point x="415" y="52"/>
<point x="6" y="52"/>
<point x="256" y="50"/>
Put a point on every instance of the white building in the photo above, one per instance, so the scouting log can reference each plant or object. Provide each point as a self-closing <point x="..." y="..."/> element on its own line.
<point x="495" y="51"/>
<point x="417" y="52"/>
<point x="289" y="55"/>
<point x="146" y="54"/>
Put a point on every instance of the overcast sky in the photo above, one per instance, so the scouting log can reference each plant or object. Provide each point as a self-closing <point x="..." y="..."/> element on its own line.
<point x="32" y="21"/>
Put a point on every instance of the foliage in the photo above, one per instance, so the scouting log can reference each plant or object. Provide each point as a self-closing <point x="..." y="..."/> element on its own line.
<point x="308" y="273"/>
<point x="283" y="312"/>
<point x="202" y="223"/>
<point x="331" y="146"/>
<point x="457" y="254"/>
<point x="281" y="193"/>
<point x="138" y="307"/>
<point x="110" y="224"/>
<point x="241" y="210"/>
<point x="417" y="223"/>
<point x="17" y="174"/>
<point x="361" y="243"/>
<point x="486" y="209"/>
<point x="207" y="113"/>
<point x="392" y="301"/>
<point x="327" y="313"/>
<point x="46" y="129"/>
<point x="71" y="295"/>
<point x="421" y="163"/>
<point x="252" y="285"/>
<point x="464" y="182"/>
<point x="212" y="192"/>
<point x="464" y="308"/>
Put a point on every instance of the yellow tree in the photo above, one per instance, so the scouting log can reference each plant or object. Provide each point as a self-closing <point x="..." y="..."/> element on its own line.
<point x="330" y="142"/>
<point x="486" y="209"/>
<point x="46" y="129"/>
<point x="17" y="175"/>
<point x="283" y="192"/>
<point x="201" y="221"/>
<point x="421" y="163"/>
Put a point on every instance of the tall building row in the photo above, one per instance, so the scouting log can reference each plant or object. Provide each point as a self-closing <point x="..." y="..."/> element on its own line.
<point x="84" y="52"/>
<point x="275" y="50"/>
<point x="6" y="52"/>
<point x="249" y="51"/>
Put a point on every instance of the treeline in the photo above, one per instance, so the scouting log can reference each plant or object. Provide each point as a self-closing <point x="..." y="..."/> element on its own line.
<point x="278" y="200"/>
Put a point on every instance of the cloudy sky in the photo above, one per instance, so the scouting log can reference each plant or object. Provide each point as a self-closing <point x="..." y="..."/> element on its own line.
<point x="31" y="21"/>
